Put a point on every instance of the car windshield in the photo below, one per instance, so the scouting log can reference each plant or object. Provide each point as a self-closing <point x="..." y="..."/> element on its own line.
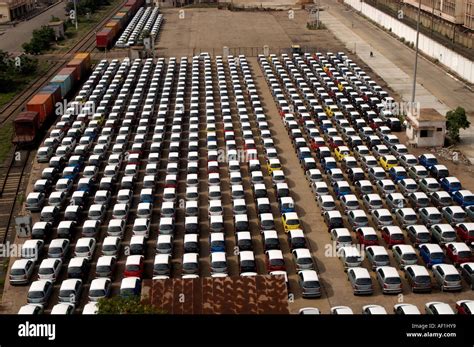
<point x="393" y="280"/>
<point x="311" y="284"/>
<point x="97" y="293"/>
<point x="381" y="257"/>
<point x="464" y="254"/>
<point x="35" y="295"/>
<point x="459" y="215"/>
<point x="17" y="272"/>
<point x="277" y="262"/>
<point x="363" y="281"/>
<point x="82" y="249"/>
<point x="352" y="259"/>
<point x="449" y="234"/>
<point x="103" y="268"/>
<point x="453" y="278"/>
<point x="133" y="267"/>
<point x="55" y="250"/>
<point x="437" y="255"/>
<point x="423" y="279"/>
<point x="469" y="198"/>
<point x="67" y="293"/>
<point x="409" y="256"/>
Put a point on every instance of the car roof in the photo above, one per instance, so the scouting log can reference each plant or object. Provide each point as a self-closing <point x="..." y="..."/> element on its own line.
<point x="360" y="272"/>
<point x="129" y="282"/>
<point x="408" y="308"/>
<point x="190" y="257"/>
<point x="69" y="284"/>
<point x="57" y="242"/>
<point x="76" y="261"/>
<point x="105" y="260"/>
<point x="84" y="241"/>
<point x="441" y="307"/>
<point x="309" y="275"/>
<point x="419" y="270"/>
<point x="389" y="271"/>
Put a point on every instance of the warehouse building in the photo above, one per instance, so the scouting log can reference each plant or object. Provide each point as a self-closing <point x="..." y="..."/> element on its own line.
<point x="13" y="9"/>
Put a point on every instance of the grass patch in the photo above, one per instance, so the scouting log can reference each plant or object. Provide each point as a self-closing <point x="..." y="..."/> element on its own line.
<point x="22" y="82"/>
<point x="6" y="133"/>
<point x="5" y="98"/>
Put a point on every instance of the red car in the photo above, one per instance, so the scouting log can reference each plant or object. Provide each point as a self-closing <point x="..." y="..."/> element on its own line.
<point x="335" y="141"/>
<point x="274" y="260"/>
<point x="465" y="232"/>
<point x="392" y="235"/>
<point x="458" y="252"/>
<point x="465" y="306"/>
<point x="317" y="142"/>
<point x="134" y="266"/>
<point x="367" y="236"/>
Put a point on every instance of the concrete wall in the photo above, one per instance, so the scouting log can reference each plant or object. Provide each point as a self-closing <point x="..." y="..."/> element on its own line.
<point x="454" y="61"/>
<point x="4" y="13"/>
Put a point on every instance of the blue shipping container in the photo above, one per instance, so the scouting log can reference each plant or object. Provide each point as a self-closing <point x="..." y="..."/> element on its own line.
<point x="64" y="81"/>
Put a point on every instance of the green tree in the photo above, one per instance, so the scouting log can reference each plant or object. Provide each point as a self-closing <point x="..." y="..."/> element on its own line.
<point x="455" y="121"/>
<point x="28" y="66"/>
<point x="41" y="40"/>
<point x="124" y="305"/>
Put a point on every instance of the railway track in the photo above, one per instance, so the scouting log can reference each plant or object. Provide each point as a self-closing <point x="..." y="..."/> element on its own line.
<point x="85" y="45"/>
<point x="13" y="183"/>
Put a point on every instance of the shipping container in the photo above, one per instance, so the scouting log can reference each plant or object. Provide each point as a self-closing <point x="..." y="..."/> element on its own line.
<point x="54" y="90"/>
<point x="70" y="70"/>
<point x="121" y="18"/>
<point x="26" y="126"/>
<point x="104" y="38"/>
<point x="65" y="82"/>
<point x="115" y="26"/>
<point x="80" y="68"/>
<point x="87" y="60"/>
<point x="42" y="104"/>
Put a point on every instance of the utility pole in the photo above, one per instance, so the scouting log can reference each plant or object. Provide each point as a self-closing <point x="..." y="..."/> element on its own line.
<point x="416" y="53"/>
<point x="75" y="13"/>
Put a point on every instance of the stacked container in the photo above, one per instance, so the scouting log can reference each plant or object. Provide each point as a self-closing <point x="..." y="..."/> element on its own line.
<point x="104" y="38"/>
<point x="65" y="80"/>
<point x="42" y="104"/>
<point x="55" y="92"/>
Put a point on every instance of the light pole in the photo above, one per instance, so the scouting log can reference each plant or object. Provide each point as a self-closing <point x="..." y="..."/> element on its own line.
<point x="75" y="14"/>
<point x="416" y="53"/>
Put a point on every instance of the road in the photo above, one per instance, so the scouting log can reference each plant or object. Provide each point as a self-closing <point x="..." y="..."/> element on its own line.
<point x="394" y="61"/>
<point x="14" y="37"/>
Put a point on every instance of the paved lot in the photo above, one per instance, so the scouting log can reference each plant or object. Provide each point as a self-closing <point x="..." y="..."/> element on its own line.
<point x="180" y="37"/>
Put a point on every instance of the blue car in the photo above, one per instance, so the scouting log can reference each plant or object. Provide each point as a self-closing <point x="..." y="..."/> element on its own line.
<point x="148" y="198"/>
<point x="287" y="204"/>
<point x="341" y="188"/>
<point x="328" y="164"/>
<point x="450" y="184"/>
<point x="71" y="172"/>
<point x="464" y="198"/>
<point x="432" y="254"/>
<point x="216" y="242"/>
<point x="427" y="160"/>
<point x="304" y="154"/>
<point x="397" y="173"/>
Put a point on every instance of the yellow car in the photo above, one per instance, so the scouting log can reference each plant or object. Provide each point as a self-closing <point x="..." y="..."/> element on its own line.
<point x="328" y="111"/>
<point x="387" y="162"/>
<point x="340" y="86"/>
<point x="273" y="164"/>
<point x="290" y="221"/>
<point x="341" y="152"/>
<point x="100" y="118"/>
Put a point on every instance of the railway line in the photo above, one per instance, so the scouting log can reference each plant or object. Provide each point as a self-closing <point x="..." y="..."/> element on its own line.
<point x="18" y="167"/>
<point x="86" y="44"/>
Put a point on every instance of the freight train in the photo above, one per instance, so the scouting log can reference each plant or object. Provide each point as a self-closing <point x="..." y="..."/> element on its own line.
<point x="40" y="109"/>
<point x="111" y="31"/>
